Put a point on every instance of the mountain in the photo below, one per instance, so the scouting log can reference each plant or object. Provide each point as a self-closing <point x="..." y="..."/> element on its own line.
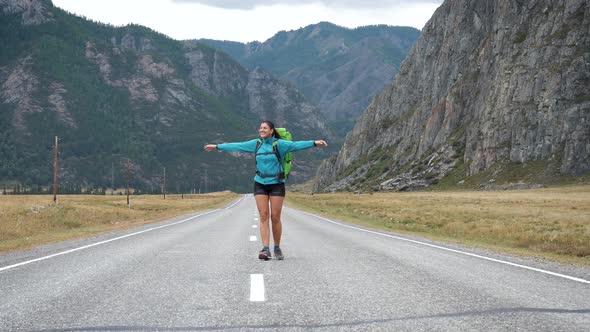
<point x="338" y="69"/>
<point x="113" y="94"/>
<point x="494" y="92"/>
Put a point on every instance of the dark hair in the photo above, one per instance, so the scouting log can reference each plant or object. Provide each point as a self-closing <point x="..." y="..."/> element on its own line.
<point x="272" y="126"/>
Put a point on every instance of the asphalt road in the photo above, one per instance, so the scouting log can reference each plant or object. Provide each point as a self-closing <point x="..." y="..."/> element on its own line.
<point x="202" y="273"/>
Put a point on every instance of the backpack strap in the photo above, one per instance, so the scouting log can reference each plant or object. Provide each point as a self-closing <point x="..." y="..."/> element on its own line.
<point x="258" y="144"/>
<point x="275" y="149"/>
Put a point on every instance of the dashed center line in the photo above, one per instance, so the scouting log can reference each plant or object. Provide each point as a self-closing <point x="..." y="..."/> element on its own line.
<point x="257" y="288"/>
<point x="254" y="226"/>
<point x="252" y="238"/>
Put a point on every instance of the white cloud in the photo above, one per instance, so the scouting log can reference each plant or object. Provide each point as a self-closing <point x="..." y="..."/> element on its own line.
<point x="190" y="20"/>
<point x="363" y="5"/>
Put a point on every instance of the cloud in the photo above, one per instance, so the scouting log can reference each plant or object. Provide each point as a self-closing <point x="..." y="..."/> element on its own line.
<point x="347" y="4"/>
<point x="190" y="19"/>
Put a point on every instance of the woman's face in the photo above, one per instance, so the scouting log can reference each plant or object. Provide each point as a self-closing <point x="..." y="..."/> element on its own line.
<point x="265" y="131"/>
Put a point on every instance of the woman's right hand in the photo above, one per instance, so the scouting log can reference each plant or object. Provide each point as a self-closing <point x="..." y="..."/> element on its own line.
<point x="210" y="147"/>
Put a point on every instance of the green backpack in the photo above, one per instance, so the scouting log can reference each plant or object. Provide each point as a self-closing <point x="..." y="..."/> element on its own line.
<point x="286" y="162"/>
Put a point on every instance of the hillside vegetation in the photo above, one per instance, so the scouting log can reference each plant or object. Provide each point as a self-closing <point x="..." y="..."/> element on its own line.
<point x="114" y="94"/>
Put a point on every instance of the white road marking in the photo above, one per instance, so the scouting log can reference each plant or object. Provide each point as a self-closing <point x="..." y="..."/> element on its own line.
<point x="254" y="226"/>
<point x="252" y="238"/>
<point x="101" y="242"/>
<point x="236" y="202"/>
<point x="257" y="287"/>
<point x="452" y="250"/>
<point x="255" y="219"/>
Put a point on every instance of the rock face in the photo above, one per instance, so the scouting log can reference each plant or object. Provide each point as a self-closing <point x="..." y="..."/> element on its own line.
<point x="34" y="12"/>
<point x="338" y="69"/>
<point x="488" y="82"/>
<point x="270" y="98"/>
<point x="267" y="97"/>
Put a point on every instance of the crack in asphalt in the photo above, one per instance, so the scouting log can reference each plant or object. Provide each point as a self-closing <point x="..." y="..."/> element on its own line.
<point x="498" y="311"/>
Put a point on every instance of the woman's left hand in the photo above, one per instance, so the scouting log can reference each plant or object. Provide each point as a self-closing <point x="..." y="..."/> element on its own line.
<point x="320" y="143"/>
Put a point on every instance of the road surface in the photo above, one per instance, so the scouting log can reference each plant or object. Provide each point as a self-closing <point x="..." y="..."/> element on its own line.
<point x="201" y="273"/>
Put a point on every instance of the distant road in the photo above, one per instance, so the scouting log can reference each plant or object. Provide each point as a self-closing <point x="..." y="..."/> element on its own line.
<point x="201" y="273"/>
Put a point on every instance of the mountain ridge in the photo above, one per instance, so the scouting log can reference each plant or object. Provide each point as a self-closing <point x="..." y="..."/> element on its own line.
<point x="337" y="68"/>
<point x="129" y="93"/>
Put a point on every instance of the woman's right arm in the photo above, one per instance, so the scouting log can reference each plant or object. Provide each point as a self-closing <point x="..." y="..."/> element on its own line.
<point x="248" y="146"/>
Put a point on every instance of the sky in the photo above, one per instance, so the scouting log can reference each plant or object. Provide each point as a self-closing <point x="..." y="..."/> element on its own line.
<point x="249" y="20"/>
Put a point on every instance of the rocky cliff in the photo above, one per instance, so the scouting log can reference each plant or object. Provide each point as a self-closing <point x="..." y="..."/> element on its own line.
<point x="489" y="87"/>
<point x="338" y="69"/>
<point x="32" y="12"/>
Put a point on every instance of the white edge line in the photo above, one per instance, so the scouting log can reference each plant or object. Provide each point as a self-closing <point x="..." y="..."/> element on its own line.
<point x="452" y="250"/>
<point x="256" y="287"/>
<point x="101" y="242"/>
<point x="236" y="202"/>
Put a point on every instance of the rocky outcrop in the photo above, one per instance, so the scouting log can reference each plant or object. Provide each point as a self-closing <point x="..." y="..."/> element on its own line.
<point x="33" y="12"/>
<point x="487" y="82"/>
<point x="214" y="71"/>
<point x="140" y="84"/>
<point x="18" y="89"/>
<point x="59" y="105"/>
<point x="270" y="98"/>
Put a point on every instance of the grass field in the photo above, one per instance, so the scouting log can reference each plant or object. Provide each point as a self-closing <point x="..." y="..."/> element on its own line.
<point x="30" y="220"/>
<point x="551" y="223"/>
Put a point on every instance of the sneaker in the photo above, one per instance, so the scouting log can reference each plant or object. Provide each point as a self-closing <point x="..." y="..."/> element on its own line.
<point x="264" y="254"/>
<point x="279" y="254"/>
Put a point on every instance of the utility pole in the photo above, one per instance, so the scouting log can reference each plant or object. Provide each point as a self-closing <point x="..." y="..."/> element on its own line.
<point x="206" y="182"/>
<point x="128" y="179"/>
<point x="55" y="172"/>
<point x="164" y="185"/>
<point x="112" y="178"/>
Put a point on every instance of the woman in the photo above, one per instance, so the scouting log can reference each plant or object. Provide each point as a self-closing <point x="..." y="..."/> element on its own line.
<point x="269" y="182"/>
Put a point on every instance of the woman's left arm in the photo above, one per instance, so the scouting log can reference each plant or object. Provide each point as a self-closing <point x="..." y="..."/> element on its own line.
<point x="292" y="146"/>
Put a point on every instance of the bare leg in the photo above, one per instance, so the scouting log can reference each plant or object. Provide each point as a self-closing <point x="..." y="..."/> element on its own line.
<point x="262" y="205"/>
<point x="276" y="206"/>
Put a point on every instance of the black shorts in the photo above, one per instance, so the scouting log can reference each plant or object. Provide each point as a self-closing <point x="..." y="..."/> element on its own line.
<point x="277" y="189"/>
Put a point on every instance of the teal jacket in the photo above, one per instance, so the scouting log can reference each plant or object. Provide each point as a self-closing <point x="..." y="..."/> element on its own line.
<point x="266" y="161"/>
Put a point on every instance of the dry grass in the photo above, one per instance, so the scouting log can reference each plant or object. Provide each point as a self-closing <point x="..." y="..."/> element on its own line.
<point x="552" y="223"/>
<point x="27" y="221"/>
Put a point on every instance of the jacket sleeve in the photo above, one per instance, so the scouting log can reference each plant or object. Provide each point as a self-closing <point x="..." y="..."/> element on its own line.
<point x="248" y="146"/>
<point x="292" y="146"/>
